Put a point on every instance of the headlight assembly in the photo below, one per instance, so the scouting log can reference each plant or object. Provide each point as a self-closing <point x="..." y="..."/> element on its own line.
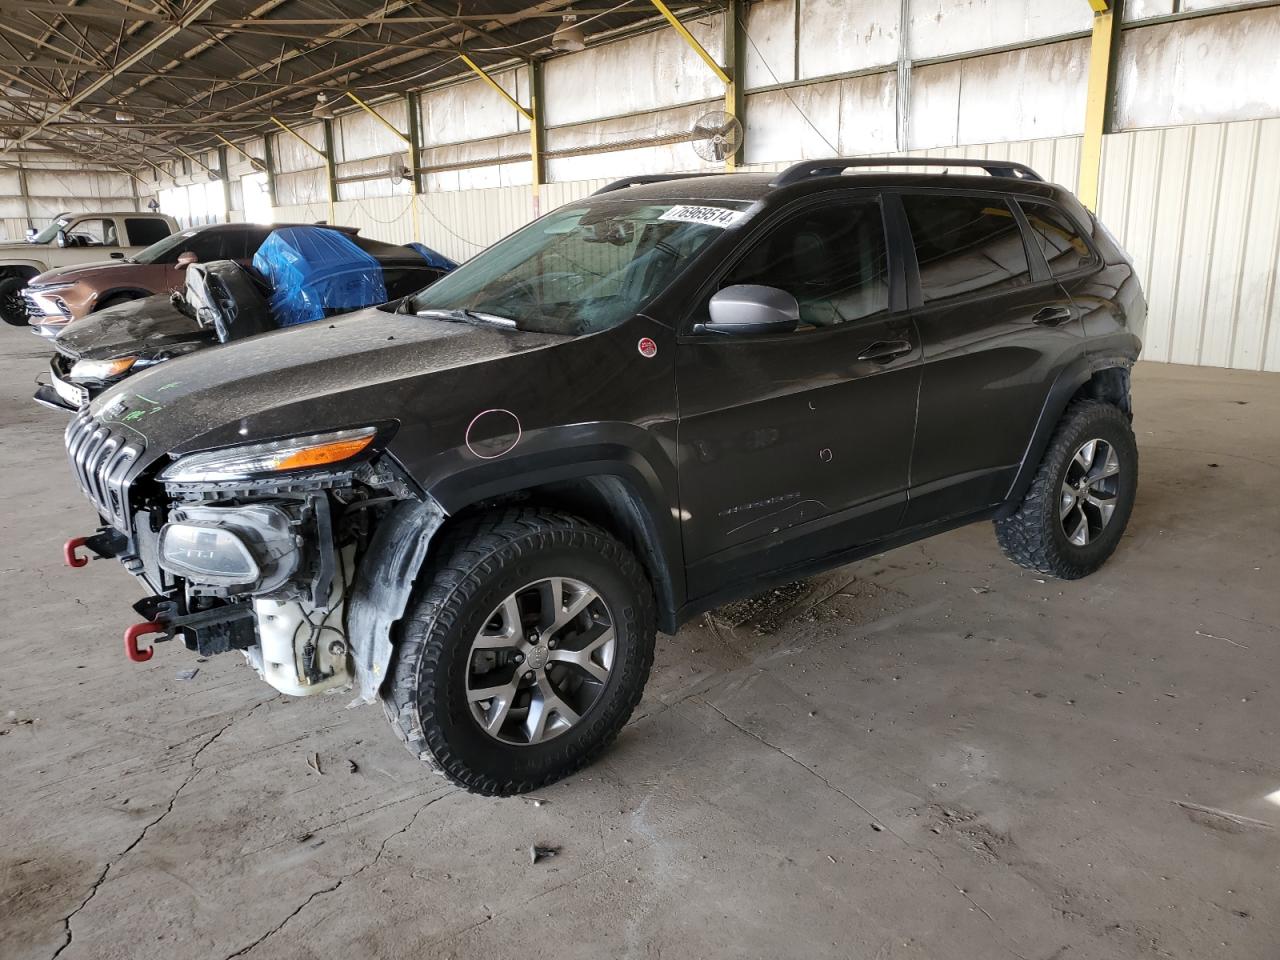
<point x="207" y="554"/>
<point x="101" y="369"/>
<point x="277" y="456"/>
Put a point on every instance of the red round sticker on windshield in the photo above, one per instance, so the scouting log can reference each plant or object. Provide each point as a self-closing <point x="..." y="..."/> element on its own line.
<point x="647" y="347"/>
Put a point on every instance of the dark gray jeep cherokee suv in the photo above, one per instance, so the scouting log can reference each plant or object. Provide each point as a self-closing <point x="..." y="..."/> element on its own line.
<point x="478" y="505"/>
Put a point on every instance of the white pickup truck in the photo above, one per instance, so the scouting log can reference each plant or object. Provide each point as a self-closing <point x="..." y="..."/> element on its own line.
<point x="71" y="239"/>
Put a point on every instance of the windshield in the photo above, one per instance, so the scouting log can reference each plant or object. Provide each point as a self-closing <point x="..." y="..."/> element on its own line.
<point x="155" y="253"/>
<point x="48" y="233"/>
<point x="583" y="268"/>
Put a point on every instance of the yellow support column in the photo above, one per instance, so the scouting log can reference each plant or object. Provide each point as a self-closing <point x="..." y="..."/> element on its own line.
<point x="1097" y="100"/>
<point x="536" y="135"/>
<point x="735" y="64"/>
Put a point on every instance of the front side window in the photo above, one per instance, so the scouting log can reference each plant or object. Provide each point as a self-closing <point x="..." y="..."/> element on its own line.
<point x="1058" y="238"/>
<point x="965" y="245"/>
<point x="92" y="233"/>
<point x="207" y="245"/>
<point x="583" y="268"/>
<point x="832" y="259"/>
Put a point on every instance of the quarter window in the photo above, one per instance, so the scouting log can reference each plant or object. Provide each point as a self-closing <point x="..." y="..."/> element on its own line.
<point x="833" y="260"/>
<point x="1058" y="238"/>
<point x="965" y="245"/>
<point x="144" y="231"/>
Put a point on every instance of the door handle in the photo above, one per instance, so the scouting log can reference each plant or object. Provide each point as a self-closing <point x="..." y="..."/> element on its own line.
<point x="884" y="351"/>
<point x="1053" y="316"/>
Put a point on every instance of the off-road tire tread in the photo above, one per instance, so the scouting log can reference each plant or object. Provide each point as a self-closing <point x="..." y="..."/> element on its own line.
<point x="464" y="555"/>
<point x="1026" y="536"/>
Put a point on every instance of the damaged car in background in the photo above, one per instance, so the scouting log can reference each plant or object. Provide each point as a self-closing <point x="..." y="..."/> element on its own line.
<point x="66" y="294"/>
<point x="477" y="506"/>
<point x="299" y="275"/>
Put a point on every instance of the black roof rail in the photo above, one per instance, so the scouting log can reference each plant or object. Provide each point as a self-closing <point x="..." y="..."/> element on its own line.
<point x="644" y="178"/>
<point x="834" y="166"/>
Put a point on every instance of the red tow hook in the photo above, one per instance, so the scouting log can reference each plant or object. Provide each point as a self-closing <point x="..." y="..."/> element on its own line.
<point x="131" y="648"/>
<point x="69" y="552"/>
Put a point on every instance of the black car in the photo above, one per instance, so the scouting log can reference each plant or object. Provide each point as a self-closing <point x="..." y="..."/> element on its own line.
<point x="478" y="506"/>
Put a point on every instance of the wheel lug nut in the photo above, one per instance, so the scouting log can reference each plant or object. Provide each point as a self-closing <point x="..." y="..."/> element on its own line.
<point x="528" y="675"/>
<point x="551" y="644"/>
<point x="519" y="658"/>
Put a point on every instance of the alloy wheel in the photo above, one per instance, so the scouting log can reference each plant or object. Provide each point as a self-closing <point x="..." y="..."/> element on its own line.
<point x="1089" y="492"/>
<point x="541" y="661"/>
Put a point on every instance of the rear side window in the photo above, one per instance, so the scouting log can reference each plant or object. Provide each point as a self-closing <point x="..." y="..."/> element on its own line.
<point x="832" y="259"/>
<point x="1058" y="238"/>
<point x="143" y="231"/>
<point x="965" y="245"/>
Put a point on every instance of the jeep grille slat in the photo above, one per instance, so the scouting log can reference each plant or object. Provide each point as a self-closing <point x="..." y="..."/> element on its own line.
<point x="100" y="459"/>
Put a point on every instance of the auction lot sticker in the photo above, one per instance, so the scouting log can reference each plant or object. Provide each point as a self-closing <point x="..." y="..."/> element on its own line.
<point x="711" y="216"/>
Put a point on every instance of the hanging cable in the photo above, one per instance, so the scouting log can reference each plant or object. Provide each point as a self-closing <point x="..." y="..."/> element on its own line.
<point x="785" y="92"/>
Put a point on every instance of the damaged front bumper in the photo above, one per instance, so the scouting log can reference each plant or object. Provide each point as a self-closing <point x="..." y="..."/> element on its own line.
<point x="296" y="574"/>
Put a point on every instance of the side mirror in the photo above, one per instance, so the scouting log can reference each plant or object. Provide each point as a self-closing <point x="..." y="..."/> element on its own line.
<point x="185" y="259"/>
<point x="31" y="233"/>
<point x="117" y="255"/>
<point x="747" y="308"/>
<point x="62" y="238"/>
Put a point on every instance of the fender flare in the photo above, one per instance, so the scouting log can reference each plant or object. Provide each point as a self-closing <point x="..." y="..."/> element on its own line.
<point x="388" y="571"/>
<point x="640" y="492"/>
<point x="106" y="295"/>
<point x="26" y="269"/>
<point x="1071" y="378"/>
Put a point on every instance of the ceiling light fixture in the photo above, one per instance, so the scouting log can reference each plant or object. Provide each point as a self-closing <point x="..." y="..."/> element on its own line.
<point x="323" y="109"/>
<point x="568" y="37"/>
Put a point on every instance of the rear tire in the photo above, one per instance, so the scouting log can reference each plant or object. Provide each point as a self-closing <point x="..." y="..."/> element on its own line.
<point x="13" y="309"/>
<point x="493" y="611"/>
<point x="1075" y="512"/>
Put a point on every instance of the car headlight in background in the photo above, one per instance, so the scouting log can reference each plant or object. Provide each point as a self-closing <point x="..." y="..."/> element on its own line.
<point x="101" y="369"/>
<point x="277" y="456"/>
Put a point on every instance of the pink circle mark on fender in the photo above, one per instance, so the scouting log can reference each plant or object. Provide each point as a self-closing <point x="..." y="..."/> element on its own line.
<point x="493" y="433"/>
<point x="648" y="349"/>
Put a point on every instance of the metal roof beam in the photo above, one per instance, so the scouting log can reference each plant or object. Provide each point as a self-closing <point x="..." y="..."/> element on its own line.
<point x="162" y="37"/>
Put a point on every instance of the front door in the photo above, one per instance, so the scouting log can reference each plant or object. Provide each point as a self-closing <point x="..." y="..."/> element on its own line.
<point x="795" y="446"/>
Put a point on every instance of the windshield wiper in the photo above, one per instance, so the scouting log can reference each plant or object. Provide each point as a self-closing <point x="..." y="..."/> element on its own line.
<point x="462" y="315"/>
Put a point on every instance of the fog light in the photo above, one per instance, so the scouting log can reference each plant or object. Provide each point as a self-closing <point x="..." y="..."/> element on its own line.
<point x="206" y="554"/>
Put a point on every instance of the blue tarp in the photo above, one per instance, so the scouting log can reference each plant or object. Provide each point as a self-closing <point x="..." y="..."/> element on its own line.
<point x="434" y="259"/>
<point x="316" y="273"/>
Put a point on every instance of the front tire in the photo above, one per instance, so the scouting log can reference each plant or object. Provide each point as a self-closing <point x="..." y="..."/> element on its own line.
<point x="1075" y="512"/>
<point x="525" y="648"/>
<point x="13" y="308"/>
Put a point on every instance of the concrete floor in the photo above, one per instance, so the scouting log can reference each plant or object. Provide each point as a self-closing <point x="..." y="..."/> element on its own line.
<point x="929" y="755"/>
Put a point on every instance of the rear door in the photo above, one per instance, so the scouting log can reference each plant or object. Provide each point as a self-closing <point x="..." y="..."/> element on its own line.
<point x="796" y="445"/>
<point x="994" y="326"/>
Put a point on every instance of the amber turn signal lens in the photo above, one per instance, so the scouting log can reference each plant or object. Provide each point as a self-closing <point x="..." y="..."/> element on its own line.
<point x="333" y="452"/>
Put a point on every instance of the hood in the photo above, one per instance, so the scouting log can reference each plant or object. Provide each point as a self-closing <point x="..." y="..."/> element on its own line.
<point x="76" y="272"/>
<point x="364" y="367"/>
<point x="152" y="328"/>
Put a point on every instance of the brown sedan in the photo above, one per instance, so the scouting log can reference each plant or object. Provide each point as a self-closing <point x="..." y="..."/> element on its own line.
<point x="58" y="297"/>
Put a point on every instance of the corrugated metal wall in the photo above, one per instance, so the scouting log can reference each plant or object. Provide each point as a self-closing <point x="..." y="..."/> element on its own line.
<point x="53" y="190"/>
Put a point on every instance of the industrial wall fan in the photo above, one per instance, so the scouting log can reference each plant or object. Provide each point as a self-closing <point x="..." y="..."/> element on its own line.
<point x="716" y="136"/>
<point x="397" y="169"/>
